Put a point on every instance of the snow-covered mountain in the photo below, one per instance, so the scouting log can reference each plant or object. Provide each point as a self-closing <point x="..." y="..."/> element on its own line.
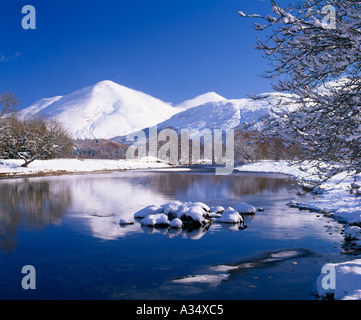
<point x="199" y="100"/>
<point x="108" y="110"/>
<point x="224" y="114"/>
<point x="104" y="110"/>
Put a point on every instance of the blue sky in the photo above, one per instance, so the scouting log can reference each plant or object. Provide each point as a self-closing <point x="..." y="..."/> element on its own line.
<point x="170" y="49"/>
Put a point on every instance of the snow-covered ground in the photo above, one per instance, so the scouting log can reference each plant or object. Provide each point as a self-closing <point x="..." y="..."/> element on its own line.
<point x="61" y="166"/>
<point x="333" y="198"/>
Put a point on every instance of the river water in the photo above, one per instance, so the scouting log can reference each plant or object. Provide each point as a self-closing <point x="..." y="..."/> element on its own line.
<point x="67" y="228"/>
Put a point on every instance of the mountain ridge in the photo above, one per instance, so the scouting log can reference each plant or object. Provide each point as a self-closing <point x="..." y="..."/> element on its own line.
<point x="103" y="110"/>
<point x="107" y="110"/>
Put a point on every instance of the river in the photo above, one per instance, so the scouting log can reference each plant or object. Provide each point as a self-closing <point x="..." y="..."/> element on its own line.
<point x="67" y="228"/>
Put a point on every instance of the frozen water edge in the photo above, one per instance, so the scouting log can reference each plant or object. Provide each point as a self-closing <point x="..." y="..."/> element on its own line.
<point x="336" y="200"/>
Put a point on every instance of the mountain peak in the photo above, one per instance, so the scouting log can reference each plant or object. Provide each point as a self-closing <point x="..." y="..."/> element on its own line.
<point x="199" y="100"/>
<point x="211" y="94"/>
<point x="109" y="85"/>
<point x="106" y="83"/>
<point x="104" y="110"/>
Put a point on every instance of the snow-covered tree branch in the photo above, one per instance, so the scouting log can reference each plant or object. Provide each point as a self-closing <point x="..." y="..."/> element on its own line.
<point x="33" y="139"/>
<point x="319" y="68"/>
<point x="8" y="101"/>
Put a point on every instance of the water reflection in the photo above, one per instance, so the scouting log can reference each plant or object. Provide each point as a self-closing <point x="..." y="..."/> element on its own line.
<point x="194" y="234"/>
<point x="31" y="205"/>
<point x="101" y="201"/>
<point x="191" y="185"/>
<point x="94" y="204"/>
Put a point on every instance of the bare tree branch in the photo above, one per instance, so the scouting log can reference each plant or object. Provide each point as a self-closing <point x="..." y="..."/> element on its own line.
<point x="8" y="101"/>
<point x="320" y="70"/>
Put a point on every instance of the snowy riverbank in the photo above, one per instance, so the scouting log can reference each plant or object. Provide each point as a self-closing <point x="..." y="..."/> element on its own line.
<point x="11" y="168"/>
<point x="334" y="199"/>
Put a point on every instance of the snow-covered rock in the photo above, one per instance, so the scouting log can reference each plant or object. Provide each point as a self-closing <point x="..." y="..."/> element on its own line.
<point x="345" y="285"/>
<point x="152" y="209"/>
<point x="352" y="233"/>
<point x="198" y="204"/>
<point x="182" y="210"/>
<point x="196" y="213"/>
<point x="176" y="223"/>
<point x="191" y="215"/>
<point x="172" y="207"/>
<point x="125" y="222"/>
<point x="156" y="220"/>
<point x="351" y="215"/>
<point x="217" y="209"/>
<point x="245" y="208"/>
<point x="230" y="216"/>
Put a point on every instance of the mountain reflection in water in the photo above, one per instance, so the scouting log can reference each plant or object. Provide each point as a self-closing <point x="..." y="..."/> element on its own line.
<point x="95" y="203"/>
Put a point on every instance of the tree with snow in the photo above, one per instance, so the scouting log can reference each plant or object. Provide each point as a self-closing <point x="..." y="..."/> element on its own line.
<point x="8" y="101"/>
<point x="314" y="51"/>
<point x="32" y="139"/>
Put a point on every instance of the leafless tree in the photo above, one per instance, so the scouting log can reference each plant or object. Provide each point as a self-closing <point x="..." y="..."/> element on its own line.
<point x="8" y="101"/>
<point x="34" y="138"/>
